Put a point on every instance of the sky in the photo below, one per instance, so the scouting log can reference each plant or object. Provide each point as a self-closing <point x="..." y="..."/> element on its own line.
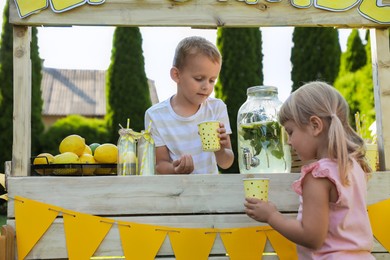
<point x="81" y="47"/>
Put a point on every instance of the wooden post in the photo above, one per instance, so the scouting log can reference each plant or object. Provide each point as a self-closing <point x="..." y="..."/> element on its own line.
<point x="381" y="79"/>
<point x="21" y="149"/>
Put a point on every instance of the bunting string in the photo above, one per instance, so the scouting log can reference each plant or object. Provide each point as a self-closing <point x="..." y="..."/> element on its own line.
<point x="84" y="233"/>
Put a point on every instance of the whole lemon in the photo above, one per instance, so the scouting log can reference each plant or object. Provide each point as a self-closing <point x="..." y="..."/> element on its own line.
<point x="73" y="143"/>
<point x="66" y="158"/>
<point x="87" y="159"/>
<point x="106" y="153"/>
<point x="43" y="158"/>
<point x="87" y="150"/>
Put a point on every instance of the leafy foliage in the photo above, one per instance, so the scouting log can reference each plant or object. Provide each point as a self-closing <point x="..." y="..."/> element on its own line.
<point x="242" y="68"/>
<point x="315" y="55"/>
<point x="357" y="86"/>
<point x="127" y="87"/>
<point x="355" y="56"/>
<point x="92" y="129"/>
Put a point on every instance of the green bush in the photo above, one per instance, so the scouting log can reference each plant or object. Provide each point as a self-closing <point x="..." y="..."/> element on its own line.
<point x="92" y="129"/>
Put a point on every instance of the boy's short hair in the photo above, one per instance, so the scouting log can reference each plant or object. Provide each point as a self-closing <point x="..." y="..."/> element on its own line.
<point x="194" y="45"/>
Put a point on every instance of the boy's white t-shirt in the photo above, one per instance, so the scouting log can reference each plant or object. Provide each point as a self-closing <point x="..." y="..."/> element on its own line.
<point x="180" y="134"/>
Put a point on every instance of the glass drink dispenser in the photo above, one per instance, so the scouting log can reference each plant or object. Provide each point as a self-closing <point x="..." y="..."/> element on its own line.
<point x="262" y="141"/>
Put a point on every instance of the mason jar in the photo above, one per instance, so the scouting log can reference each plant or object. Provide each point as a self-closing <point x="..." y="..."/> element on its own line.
<point x="262" y="141"/>
<point x="127" y="154"/>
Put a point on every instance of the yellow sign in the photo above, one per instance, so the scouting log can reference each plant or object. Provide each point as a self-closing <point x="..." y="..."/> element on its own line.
<point x="373" y="10"/>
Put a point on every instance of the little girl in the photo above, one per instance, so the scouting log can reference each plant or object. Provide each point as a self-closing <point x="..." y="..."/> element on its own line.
<point x="332" y="220"/>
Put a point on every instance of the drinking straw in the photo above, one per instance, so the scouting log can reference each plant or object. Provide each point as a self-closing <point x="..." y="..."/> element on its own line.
<point x="148" y="141"/>
<point x="357" y="123"/>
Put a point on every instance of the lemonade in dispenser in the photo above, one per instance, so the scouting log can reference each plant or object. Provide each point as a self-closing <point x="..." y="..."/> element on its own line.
<point x="262" y="146"/>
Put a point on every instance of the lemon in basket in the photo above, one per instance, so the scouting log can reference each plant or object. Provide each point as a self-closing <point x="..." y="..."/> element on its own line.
<point x="65" y="158"/>
<point x="43" y="158"/>
<point x="74" y="144"/>
<point x="106" y="153"/>
<point x="87" y="159"/>
<point x="87" y="150"/>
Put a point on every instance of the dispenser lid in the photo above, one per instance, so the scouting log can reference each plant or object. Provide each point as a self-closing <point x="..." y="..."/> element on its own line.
<point x="255" y="89"/>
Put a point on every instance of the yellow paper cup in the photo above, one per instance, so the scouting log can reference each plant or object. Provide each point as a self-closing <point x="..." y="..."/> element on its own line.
<point x="256" y="188"/>
<point x="209" y="136"/>
<point x="372" y="155"/>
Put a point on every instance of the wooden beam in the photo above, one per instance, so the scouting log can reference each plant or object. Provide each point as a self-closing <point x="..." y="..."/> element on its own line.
<point x="21" y="149"/>
<point x="195" y="13"/>
<point x="381" y="80"/>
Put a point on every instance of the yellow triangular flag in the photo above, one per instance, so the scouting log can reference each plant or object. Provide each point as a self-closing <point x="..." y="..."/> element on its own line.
<point x="244" y="243"/>
<point x="379" y="214"/>
<point x="284" y="248"/>
<point x="32" y="219"/>
<point x="84" y="233"/>
<point x="140" y="241"/>
<point x="192" y="243"/>
<point x="28" y="7"/>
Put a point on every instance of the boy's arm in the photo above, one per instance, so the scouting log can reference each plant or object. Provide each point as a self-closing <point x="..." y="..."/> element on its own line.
<point x="164" y="164"/>
<point x="225" y="155"/>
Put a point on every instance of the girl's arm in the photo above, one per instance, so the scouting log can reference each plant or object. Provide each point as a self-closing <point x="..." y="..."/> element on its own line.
<point x="164" y="164"/>
<point x="312" y="230"/>
<point x="225" y="155"/>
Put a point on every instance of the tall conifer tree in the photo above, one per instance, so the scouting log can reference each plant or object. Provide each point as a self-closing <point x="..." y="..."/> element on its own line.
<point x="355" y="56"/>
<point x="37" y="126"/>
<point x="242" y="68"/>
<point x="127" y="85"/>
<point x="6" y="89"/>
<point x="315" y="55"/>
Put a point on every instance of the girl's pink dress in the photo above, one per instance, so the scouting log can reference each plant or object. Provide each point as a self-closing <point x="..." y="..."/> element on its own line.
<point x="349" y="235"/>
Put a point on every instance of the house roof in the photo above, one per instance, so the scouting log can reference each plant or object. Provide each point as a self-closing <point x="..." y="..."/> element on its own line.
<point x="82" y="92"/>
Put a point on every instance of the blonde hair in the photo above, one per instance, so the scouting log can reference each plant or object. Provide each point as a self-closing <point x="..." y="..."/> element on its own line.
<point x="195" y="45"/>
<point x="322" y="100"/>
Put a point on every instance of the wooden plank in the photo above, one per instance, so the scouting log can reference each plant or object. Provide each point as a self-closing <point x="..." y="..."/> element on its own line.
<point x="185" y="194"/>
<point x="381" y="78"/>
<point x="201" y="13"/>
<point x="21" y="149"/>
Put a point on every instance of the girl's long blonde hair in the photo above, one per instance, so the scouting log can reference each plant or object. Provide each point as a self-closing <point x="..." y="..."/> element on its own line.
<point x="320" y="99"/>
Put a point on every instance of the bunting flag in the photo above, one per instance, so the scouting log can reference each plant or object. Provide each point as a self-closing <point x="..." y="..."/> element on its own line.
<point x="84" y="233"/>
<point x="32" y="220"/>
<point x="140" y="241"/>
<point x="379" y="214"/>
<point x="192" y="243"/>
<point x="284" y="248"/>
<point x="244" y="243"/>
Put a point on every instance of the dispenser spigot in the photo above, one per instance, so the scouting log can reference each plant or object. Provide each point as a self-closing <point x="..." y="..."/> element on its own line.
<point x="249" y="160"/>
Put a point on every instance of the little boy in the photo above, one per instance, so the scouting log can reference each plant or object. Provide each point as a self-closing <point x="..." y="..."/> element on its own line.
<point x="195" y="69"/>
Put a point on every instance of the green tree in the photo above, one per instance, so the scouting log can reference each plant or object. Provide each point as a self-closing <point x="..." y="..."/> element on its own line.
<point x="127" y="87"/>
<point x="355" y="57"/>
<point x="6" y="89"/>
<point x="37" y="126"/>
<point x="357" y="88"/>
<point x="242" y="68"/>
<point x="315" y="55"/>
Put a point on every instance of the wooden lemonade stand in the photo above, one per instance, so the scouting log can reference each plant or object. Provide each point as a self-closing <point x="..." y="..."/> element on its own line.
<point x="184" y="208"/>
